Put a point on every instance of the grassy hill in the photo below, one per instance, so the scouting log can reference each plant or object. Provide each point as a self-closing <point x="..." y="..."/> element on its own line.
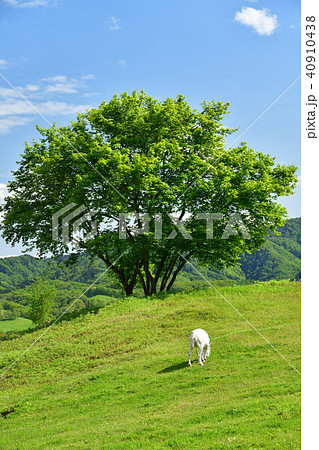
<point x="118" y="378"/>
<point x="18" y="324"/>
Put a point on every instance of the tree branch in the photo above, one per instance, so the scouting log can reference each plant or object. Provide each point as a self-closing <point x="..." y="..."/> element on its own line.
<point x="179" y="268"/>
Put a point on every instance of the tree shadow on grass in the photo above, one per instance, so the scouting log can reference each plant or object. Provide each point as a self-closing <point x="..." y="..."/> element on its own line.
<point x="179" y="366"/>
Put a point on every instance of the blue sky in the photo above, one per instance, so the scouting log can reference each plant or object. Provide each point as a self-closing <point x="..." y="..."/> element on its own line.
<point x="65" y="56"/>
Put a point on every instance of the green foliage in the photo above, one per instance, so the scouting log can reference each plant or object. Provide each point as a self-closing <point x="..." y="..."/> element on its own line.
<point x="16" y="272"/>
<point x="19" y="272"/>
<point x="9" y="309"/>
<point x="41" y="302"/>
<point x="98" y="301"/>
<point x="279" y="258"/>
<point x="118" y="379"/>
<point x="17" y="302"/>
<point x="8" y="314"/>
<point x="271" y="262"/>
<point x="290" y="237"/>
<point x="102" y="290"/>
<point x="135" y="154"/>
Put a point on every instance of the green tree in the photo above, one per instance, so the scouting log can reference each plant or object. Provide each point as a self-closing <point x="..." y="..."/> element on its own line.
<point x="41" y="301"/>
<point x="137" y="155"/>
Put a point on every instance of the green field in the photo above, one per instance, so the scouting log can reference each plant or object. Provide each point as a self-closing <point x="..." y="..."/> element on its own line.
<point x="119" y="379"/>
<point x="18" y="324"/>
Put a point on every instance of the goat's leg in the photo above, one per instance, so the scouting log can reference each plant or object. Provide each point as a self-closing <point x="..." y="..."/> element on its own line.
<point x="204" y="354"/>
<point x="191" y="345"/>
<point x="200" y="356"/>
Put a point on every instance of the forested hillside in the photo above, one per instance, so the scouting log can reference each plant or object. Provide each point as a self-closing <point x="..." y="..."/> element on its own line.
<point x="19" y="271"/>
<point x="278" y="259"/>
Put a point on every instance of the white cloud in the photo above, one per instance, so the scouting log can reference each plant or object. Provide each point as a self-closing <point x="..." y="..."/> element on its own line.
<point x="32" y="88"/>
<point x="63" y="88"/>
<point x="27" y="4"/>
<point x="21" y="107"/>
<point x="89" y="76"/>
<point x="15" y="107"/>
<point x="259" y="19"/>
<point x="18" y="112"/>
<point x="3" y="63"/>
<point x="8" y="123"/>
<point x="46" y="87"/>
<point x="3" y="192"/>
<point x="63" y="85"/>
<point x="60" y="108"/>
<point x="59" y="78"/>
<point x="121" y="62"/>
<point x="8" y="93"/>
<point x="115" y="24"/>
<point x="44" y="96"/>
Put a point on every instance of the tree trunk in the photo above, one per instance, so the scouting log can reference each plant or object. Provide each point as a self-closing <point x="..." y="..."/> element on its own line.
<point x="149" y="282"/>
<point x="142" y="281"/>
<point x="179" y="268"/>
<point x="167" y="274"/>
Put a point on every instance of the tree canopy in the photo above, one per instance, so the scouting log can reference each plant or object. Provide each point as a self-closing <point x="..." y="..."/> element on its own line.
<point x="162" y="161"/>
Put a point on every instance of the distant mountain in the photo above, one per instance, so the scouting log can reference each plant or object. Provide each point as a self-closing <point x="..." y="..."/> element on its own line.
<point x="17" y="271"/>
<point x="271" y="262"/>
<point x="278" y="259"/>
<point x="20" y="271"/>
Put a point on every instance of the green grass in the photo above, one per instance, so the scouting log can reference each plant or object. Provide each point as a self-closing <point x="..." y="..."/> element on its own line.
<point x="118" y="378"/>
<point x="18" y="324"/>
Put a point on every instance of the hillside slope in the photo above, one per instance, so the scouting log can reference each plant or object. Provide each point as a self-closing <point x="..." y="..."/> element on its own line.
<point x="119" y="379"/>
<point x="271" y="262"/>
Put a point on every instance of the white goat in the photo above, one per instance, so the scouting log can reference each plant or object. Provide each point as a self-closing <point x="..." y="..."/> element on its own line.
<point x="200" y="339"/>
